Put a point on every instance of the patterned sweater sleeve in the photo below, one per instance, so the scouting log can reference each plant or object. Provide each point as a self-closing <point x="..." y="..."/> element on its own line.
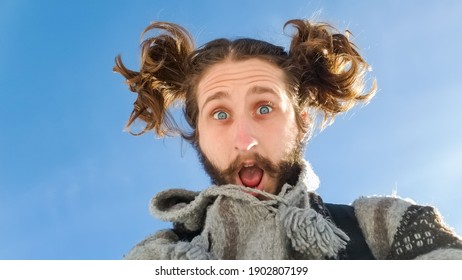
<point x="395" y="228"/>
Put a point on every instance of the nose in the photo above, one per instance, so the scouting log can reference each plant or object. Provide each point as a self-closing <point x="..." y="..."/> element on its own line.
<point x="245" y="139"/>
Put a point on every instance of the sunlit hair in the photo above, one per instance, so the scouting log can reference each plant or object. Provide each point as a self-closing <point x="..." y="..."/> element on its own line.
<point x="323" y="70"/>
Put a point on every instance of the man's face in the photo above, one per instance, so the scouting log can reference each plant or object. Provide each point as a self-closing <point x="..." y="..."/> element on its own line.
<point x="247" y="132"/>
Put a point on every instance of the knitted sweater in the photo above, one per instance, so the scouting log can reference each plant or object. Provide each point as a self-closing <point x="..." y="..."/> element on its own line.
<point x="223" y="222"/>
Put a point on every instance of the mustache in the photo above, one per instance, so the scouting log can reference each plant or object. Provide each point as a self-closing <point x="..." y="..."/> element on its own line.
<point x="235" y="166"/>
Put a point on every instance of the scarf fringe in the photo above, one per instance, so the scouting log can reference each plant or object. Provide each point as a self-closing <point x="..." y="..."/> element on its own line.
<point x="310" y="233"/>
<point x="194" y="250"/>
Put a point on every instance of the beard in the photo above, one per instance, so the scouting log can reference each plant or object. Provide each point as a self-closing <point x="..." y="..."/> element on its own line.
<point x="287" y="170"/>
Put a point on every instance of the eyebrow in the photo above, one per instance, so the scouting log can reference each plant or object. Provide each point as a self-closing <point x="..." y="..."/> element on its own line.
<point x="216" y="95"/>
<point x="262" y="89"/>
<point x="252" y="90"/>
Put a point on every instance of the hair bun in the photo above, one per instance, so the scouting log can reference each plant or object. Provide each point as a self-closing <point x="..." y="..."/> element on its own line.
<point x="159" y="80"/>
<point x="330" y="69"/>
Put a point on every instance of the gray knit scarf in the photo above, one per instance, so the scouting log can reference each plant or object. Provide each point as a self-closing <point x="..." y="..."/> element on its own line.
<point x="236" y="225"/>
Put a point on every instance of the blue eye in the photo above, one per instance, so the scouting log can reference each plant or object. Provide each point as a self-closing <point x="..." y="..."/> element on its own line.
<point x="220" y="115"/>
<point x="265" y="109"/>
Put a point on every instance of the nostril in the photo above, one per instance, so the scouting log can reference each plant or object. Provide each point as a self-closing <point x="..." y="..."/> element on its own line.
<point x="245" y="144"/>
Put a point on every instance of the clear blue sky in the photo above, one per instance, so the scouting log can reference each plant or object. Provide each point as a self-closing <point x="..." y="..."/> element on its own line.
<point x="73" y="185"/>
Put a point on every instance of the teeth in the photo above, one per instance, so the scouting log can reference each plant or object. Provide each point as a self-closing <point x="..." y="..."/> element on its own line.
<point x="248" y="165"/>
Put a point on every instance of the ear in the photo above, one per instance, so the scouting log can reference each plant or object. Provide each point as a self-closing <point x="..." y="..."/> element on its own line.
<point x="304" y="116"/>
<point x="306" y="123"/>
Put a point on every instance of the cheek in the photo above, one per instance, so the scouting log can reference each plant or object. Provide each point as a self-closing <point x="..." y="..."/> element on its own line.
<point x="203" y="138"/>
<point x="212" y="143"/>
<point x="284" y="141"/>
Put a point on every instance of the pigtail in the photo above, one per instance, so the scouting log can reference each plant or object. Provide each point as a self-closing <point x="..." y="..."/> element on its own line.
<point x="330" y="71"/>
<point x="159" y="81"/>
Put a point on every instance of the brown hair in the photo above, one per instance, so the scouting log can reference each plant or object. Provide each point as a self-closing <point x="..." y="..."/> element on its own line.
<point x="323" y="68"/>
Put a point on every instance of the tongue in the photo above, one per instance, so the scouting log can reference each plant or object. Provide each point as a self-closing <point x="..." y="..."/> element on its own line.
<point x="250" y="176"/>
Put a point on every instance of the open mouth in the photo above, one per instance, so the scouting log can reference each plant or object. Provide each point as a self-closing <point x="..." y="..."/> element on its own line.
<point x="251" y="175"/>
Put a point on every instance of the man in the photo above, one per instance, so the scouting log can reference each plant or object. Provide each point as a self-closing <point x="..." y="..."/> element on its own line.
<point x="251" y="107"/>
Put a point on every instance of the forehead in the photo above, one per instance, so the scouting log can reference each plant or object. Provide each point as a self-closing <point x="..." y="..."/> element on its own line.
<point x="245" y="72"/>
